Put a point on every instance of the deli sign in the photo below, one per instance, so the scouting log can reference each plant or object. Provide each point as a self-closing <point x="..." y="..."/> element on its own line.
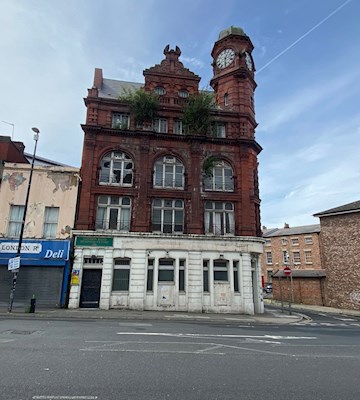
<point x="40" y="250"/>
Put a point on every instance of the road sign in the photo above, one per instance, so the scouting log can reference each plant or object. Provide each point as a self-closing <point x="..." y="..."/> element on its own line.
<point x="14" y="263"/>
<point x="287" y="271"/>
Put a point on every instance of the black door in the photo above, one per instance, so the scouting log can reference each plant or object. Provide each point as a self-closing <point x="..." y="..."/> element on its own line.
<point x="90" y="288"/>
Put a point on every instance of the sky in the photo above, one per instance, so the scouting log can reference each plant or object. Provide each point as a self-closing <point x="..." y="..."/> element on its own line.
<point x="307" y="57"/>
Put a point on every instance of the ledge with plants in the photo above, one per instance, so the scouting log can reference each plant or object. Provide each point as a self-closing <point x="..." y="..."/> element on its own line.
<point x="143" y="105"/>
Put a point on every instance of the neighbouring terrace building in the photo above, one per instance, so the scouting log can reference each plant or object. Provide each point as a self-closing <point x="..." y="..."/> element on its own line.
<point x="46" y="245"/>
<point x="168" y="216"/>
<point x="298" y="248"/>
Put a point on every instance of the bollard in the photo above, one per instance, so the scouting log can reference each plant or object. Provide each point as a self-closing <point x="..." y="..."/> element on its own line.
<point x="32" y="304"/>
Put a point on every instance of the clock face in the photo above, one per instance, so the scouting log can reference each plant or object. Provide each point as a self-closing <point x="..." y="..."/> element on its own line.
<point x="248" y="61"/>
<point x="225" y="58"/>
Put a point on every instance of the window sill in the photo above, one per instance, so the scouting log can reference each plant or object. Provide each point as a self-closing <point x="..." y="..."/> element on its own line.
<point x="168" y="187"/>
<point x="220" y="190"/>
<point x="119" y="292"/>
<point x="220" y="235"/>
<point x="115" y="184"/>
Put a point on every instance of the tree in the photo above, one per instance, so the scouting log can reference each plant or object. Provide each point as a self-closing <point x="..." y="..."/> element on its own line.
<point x="143" y="105"/>
<point x="197" y="113"/>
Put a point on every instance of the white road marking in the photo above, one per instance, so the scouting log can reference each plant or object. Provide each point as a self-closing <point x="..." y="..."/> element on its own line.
<point x="214" y="347"/>
<point x="330" y="324"/>
<point x="135" y="324"/>
<point x="345" y="319"/>
<point x="204" y="335"/>
<point x="108" y="347"/>
<point x="155" y="351"/>
<point x="6" y="340"/>
<point x="64" y="397"/>
<point x="262" y="341"/>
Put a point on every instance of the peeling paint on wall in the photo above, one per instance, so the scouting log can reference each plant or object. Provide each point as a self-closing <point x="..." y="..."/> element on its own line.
<point x="15" y="179"/>
<point x="63" y="182"/>
<point x="66" y="230"/>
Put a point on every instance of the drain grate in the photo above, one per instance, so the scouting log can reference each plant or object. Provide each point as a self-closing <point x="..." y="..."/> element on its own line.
<point x="18" y="332"/>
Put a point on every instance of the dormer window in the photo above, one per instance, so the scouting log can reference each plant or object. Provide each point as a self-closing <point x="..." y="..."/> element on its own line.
<point x="183" y="93"/>
<point x="159" y="90"/>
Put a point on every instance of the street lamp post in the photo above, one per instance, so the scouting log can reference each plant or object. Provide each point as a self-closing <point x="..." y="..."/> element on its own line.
<point x="16" y="271"/>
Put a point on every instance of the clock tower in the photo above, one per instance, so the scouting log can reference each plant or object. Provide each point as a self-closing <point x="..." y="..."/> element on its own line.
<point x="233" y="79"/>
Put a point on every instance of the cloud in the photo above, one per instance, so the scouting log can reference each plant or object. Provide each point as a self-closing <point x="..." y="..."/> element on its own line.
<point x="192" y="61"/>
<point x="294" y="105"/>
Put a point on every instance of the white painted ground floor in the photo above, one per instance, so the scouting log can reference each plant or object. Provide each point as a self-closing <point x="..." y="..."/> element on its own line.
<point x="193" y="273"/>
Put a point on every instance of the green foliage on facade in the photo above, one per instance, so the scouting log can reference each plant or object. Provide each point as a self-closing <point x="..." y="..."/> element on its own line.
<point x="197" y="114"/>
<point x="209" y="164"/>
<point x="143" y="105"/>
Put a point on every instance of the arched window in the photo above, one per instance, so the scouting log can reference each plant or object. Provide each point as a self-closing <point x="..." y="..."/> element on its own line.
<point x="159" y="90"/>
<point x="116" y="168"/>
<point x="169" y="173"/>
<point x="183" y="93"/>
<point x="219" y="177"/>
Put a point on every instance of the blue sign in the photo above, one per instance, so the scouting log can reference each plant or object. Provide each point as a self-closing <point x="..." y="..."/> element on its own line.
<point x="36" y="252"/>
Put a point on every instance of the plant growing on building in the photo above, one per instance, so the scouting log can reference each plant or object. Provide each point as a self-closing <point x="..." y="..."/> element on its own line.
<point x="197" y="113"/>
<point x="143" y="105"/>
<point x="209" y="165"/>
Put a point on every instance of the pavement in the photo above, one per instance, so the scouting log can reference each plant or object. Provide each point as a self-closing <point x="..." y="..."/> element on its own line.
<point x="269" y="317"/>
<point x="272" y="315"/>
<point x="303" y="308"/>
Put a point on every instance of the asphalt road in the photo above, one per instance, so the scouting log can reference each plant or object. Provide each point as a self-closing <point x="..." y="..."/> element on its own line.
<point x="155" y="360"/>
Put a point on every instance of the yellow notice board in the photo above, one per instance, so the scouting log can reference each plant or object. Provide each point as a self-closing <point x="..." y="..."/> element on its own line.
<point x="75" y="277"/>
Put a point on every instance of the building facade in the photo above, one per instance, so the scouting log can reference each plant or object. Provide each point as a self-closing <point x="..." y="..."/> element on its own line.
<point x="340" y="244"/>
<point x="297" y="247"/>
<point x="45" y="251"/>
<point x="168" y="214"/>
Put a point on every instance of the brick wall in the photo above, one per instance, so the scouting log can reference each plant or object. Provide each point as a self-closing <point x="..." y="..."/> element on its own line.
<point x="305" y="290"/>
<point x="340" y="246"/>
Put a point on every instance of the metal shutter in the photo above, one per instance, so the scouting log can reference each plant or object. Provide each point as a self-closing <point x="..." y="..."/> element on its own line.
<point x="44" y="282"/>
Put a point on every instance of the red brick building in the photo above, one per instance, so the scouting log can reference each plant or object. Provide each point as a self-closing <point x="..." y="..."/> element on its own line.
<point x="296" y="246"/>
<point x="340" y="244"/>
<point x="12" y="151"/>
<point x="168" y="216"/>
